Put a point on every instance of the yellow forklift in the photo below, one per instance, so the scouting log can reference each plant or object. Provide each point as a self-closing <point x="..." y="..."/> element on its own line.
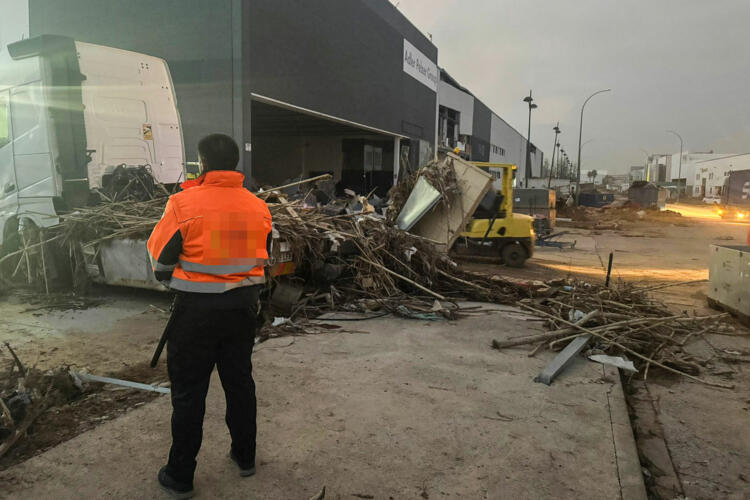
<point x="494" y="230"/>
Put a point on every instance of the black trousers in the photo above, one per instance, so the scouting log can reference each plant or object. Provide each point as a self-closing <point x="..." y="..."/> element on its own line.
<point x="200" y="338"/>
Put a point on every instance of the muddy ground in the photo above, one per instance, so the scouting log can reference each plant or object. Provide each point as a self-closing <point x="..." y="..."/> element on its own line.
<point x="96" y="404"/>
<point x="694" y="440"/>
<point x="112" y="332"/>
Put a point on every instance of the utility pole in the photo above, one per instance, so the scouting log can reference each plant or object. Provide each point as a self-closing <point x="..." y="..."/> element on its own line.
<point x="554" y="147"/>
<point x="527" y="171"/>
<point x="679" y="173"/>
<point x="580" y="133"/>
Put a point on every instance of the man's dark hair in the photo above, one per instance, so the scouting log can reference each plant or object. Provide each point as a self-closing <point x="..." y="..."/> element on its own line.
<point x="218" y="152"/>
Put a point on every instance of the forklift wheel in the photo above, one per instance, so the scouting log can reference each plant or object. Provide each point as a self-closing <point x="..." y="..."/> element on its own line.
<point x="513" y="254"/>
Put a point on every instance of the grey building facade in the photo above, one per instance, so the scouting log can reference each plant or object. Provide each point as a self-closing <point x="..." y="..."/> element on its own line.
<point x="466" y="121"/>
<point x="342" y="86"/>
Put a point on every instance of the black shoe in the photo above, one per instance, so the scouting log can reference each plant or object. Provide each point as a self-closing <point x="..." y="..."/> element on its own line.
<point x="176" y="489"/>
<point x="247" y="469"/>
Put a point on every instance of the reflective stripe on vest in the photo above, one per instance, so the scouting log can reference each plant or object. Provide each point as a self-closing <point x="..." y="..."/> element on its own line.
<point x="213" y="286"/>
<point x="221" y="269"/>
<point x="158" y="266"/>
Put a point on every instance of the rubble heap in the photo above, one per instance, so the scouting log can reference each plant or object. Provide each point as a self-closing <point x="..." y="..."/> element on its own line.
<point x="617" y="215"/>
<point x="350" y="257"/>
<point x="355" y="257"/>
<point x="25" y="394"/>
<point x="42" y="408"/>
<point x="624" y="321"/>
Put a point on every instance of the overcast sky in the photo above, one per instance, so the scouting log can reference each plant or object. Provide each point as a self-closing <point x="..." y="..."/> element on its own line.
<point x="671" y="64"/>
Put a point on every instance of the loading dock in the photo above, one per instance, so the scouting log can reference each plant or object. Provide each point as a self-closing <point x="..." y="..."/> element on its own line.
<point x="290" y="142"/>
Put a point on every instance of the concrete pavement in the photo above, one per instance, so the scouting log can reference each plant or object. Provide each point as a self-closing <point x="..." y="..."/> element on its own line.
<point x="401" y="409"/>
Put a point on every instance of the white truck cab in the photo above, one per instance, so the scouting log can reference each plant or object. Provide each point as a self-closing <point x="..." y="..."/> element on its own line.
<point x="70" y="113"/>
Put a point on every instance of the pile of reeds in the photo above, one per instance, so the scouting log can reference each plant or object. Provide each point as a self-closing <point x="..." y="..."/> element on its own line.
<point x="362" y="262"/>
<point x="621" y="320"/>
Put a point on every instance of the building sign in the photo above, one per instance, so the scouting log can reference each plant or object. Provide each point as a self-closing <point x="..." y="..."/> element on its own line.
<point x="420" y="67"/>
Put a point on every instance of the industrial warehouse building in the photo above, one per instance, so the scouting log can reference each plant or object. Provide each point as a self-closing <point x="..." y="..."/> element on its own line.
<point x="342" y="86"/>
<point x="701" y="174"/>
<point x="711" y="174"/>
<point x="466" y="122"/>
<point x="349" y="87"/>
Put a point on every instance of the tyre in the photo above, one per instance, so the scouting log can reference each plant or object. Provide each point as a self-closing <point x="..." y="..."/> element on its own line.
<point x="513" y="254"/>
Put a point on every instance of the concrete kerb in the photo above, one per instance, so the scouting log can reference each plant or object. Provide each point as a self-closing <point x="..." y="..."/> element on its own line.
<point x="629" y="473"/>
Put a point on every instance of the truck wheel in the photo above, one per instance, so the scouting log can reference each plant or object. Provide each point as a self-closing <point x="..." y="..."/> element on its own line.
<point x="513" y="254"/>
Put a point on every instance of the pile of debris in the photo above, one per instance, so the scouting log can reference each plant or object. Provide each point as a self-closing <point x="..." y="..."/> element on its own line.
<point x="40" y="409"/>
<point x="349" y="255"/>
<point x="621" y="214"/>
<point x="352" y="257"/>
<point x="25" y="394"/>
<point x="621" y="321"/>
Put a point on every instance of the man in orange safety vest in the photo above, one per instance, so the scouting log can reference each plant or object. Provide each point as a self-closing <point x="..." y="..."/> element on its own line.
<point x="210" y="248"/>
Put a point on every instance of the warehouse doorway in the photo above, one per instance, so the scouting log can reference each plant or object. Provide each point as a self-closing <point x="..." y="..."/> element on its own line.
<point x="290" y="143"/>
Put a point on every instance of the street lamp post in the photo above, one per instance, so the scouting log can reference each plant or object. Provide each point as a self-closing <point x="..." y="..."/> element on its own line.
<point x="527" y="171"/>
<point x="563" y="159"/>
<point x="554" y="147"/>
<point x="679" y="173"/>
<point x="646" y="165"/>
<point x="580" y="133"/>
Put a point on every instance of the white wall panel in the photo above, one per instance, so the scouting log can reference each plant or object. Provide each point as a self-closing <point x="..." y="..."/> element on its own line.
<point x="451" y="97"/>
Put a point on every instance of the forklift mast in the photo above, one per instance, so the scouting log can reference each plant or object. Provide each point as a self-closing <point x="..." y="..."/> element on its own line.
<point x="507" y="170"/>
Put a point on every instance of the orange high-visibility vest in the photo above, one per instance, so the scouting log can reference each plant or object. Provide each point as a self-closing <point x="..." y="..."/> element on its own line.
<point x="212" y="236"/>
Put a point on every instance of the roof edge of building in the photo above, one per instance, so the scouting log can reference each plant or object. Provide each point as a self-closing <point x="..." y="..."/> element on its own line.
<point x="730" y="155"/>
<point x="403" y="16"/>
<point x="454" y="83"/>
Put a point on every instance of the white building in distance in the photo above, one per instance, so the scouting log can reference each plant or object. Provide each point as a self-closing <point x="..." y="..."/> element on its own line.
<point x="665" y="168"/>
<point x="710" y="174"/>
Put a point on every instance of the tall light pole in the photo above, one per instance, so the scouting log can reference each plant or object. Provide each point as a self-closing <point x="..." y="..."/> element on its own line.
<point x="646" y="166"/>
<point x="580" y="133"/>
<point x="560" y="160"/>
<point x="527" y="171"/>
<point x="564" y="157"/>
<point x="554" y="169"/>
<point x="554" y="147"/>
<point x="679" y="173"/>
